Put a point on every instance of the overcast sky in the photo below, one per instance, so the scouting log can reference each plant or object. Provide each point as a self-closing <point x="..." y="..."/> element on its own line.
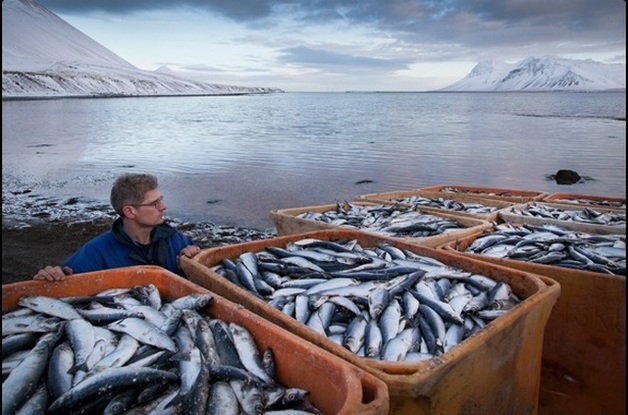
<point x="389" y="45"/>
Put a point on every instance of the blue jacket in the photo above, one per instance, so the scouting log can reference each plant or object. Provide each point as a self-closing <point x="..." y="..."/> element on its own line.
<point x="114" y="249"/>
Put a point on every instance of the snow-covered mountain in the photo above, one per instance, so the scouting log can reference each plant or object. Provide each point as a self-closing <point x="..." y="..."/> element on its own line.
<point x="547" y="73"/>
<point x="44" y="56"/>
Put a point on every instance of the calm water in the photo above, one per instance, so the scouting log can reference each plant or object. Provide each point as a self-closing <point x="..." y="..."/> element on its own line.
<point x="230" y="160"/>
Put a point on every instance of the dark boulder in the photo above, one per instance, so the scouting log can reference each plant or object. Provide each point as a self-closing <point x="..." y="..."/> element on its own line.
<point x="567" y="177"/>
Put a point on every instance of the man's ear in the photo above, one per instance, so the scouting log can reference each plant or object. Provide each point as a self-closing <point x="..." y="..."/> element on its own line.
<point x="128" y="212"/>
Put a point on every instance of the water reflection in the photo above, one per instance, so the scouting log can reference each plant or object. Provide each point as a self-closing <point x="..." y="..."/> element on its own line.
<point x="232" y="159"/>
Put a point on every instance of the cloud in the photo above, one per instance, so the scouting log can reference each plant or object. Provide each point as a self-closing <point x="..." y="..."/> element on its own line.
<point x="327" y="60"/>
<point x="409" y="37"/>
<point x="496" y="24"/>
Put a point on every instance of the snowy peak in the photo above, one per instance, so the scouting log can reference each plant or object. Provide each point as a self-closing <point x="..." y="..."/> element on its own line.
<point x="34" y="37"/>
<point x="44" y="56"/>
<point x="543" y="74"/>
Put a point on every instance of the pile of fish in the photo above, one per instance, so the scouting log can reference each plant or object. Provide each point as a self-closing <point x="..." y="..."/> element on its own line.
<point x="388" y="220"/>
<point x="126" y="351"/>
<point x="381" y="302"/>
<point x="602" y="203"/>
<point x="444" y="203"/>
<point x="584" y="215"/>
<point x="503" y="193"/>
<point x="553" y="245"/>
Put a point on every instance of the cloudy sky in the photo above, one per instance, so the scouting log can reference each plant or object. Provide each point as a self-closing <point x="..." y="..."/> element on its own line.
<point x="320" y="45"/>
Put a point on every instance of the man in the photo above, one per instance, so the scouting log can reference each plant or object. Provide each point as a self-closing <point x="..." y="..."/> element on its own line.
<point x="138" y="237"/>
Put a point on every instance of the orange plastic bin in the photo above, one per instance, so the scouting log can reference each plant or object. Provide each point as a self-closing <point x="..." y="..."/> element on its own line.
<point x="494" y="371"/>
<point x="335" y="386"/>
<point x="584" y="352"/>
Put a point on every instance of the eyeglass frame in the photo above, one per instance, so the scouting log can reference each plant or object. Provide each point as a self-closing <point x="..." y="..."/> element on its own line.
<point x="154" y="203"/>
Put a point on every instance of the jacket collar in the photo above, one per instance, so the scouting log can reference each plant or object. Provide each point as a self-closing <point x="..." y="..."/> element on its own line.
<point x="161" y="231"/>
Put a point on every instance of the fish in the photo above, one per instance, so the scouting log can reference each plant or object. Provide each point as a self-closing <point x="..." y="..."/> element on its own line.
<point x="373" y="339"/>
<point x="249" y="395"/>
<point x="25" y="377"/>
<point x="555" y="246"/>
<point x="15" y="342"/>
<point x="144" y="332"/>
<point x="60" y="363"/>
<point x="222" y="400"/>
<point x="247" y="350"/>
<point x="114" y="379"/>
<point x="50" y="306"/>
<point x="194" y="301"/>
<point x="189" y="361"/>
<point x="436" y="323"/>
<point x="103" y="315"/>
<point x="98" y="383"/>
<point x="82" y="338"/>
<point x="444" y="309"/>
<point x="225" y="346"/>
<point x="397" y="348"/>
<point x="204" y="340"/>
<point x="453" y="336"/>
<point x="342" y="306"/>
<point x="121" y="402"/>
<point x="126" y="348"/>
<point x="390" y="320"/>
<point x="389" y="220"/>
<point x="417" y="201"/>
<point x="572" y="214"/>
<point x="35" y="323"/>
<point x="37" y="402"/>
<point x="355" y="334"/>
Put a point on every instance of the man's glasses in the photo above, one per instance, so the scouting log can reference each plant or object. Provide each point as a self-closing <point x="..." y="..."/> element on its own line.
<point x="154" y="203"/>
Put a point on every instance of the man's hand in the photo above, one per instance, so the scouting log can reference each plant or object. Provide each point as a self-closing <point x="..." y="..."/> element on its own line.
<point x="190" y="250"/>
<point x="53" y="273"/>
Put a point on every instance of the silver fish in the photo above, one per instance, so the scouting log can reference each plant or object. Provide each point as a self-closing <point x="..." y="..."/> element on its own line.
<point x="35" y="323"/>
<point x="114" y="379"/>
<point x="125" y="350"/>
<point x="144" y="332"/>
<point x="194" y="301"/>
<point x="378" y="299"/>
<point x="23" y="380"/>
<point x="399" y="346"/>
<point x="389" y="321"/>
<point x="82" y="338"/>
<point x="436" y="323"/>
<point x="222" y="400"/>
<point x="373" y="339"/>
<point x="59" y="365"/>
<point x="247" y="350"/>
<point x="188" y="360"/>
<point x="249" y="395"/>
<point x="453" y="336"/>
<point x="354" y="336"/>
<point x="16" y="342"/>
<point x="37" y="402"/>
<point x="103" y="315"/>
<point x="50" y="306"/>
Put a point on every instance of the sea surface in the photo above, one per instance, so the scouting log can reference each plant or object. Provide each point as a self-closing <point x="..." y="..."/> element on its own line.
<point x="230" y="160"/>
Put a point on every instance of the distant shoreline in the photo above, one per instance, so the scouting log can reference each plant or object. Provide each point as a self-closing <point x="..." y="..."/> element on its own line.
<point x="39" y="98"/>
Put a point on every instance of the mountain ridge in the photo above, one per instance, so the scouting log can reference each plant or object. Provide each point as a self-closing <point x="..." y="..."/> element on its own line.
<point x="43" y="56"/>
<point x="545" y="73"/>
